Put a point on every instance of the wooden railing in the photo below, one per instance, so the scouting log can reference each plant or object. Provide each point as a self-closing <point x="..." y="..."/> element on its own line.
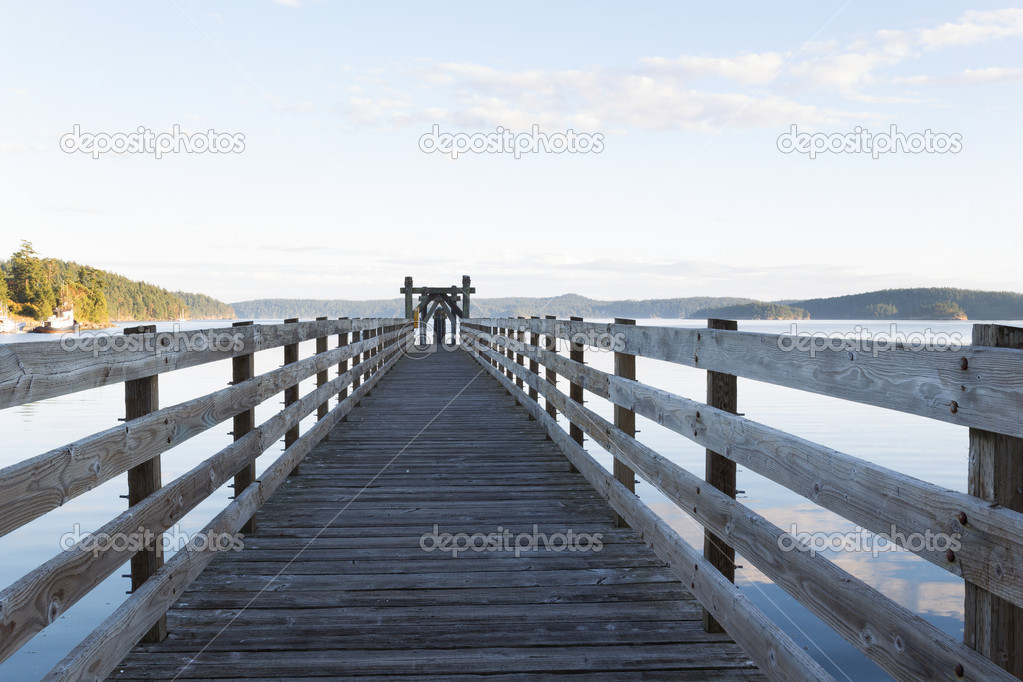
<point x="37" y="370"/>
<point x="978" y="386"/>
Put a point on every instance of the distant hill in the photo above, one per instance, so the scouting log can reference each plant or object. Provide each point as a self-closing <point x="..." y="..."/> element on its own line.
<point x="758" y="310"/>
<point x="908" y="304"/>
<point x="561" y="306"/>
<point x="922" y="303"/>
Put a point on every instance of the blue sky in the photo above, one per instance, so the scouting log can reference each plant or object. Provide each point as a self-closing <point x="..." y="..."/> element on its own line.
<point x="332" y="197"/>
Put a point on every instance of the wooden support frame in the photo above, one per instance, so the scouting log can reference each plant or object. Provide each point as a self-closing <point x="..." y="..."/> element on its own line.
<point x="576" y="353"/>
<point x="624" y="419"/>
<point x="720" y="472"/>
<point x="291" y="393"/>
<point x="141" y="397"/>
<point x="993" y="626"/>
<point x="243" y="368"/>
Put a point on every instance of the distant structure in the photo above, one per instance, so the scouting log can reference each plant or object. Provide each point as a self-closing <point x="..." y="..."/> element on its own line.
<point x="439" y="304"/>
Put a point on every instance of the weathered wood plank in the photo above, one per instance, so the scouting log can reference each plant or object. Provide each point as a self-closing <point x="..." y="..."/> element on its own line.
<point x="31" y="371"/>
<point x="973" y="386"/>
<point x="992" y="625"/>
<point x="898" y="640"/>
<point x="37" y="485"/>
<point x="97" y="655"/>
<point x="483" y="612"/>
<point x="873" y="496"/>
<point x="774" y="651"/>
<point x="38" y="598"/>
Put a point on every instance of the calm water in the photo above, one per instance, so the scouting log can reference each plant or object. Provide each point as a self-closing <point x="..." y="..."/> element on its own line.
<point x="923" y="448"/>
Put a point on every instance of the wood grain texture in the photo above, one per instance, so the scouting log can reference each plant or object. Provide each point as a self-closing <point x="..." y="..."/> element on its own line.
<point x="37" y="485"/>
<point x="873" y="496"/>
<point x="38" y="598"/>
<point x="97" y="655"/>
<point x="903" y="644"/>
<point x="31" y="371"/>
<point x="775" y="653"/>
<point x="993" y="625"/>
<point x="985" y="384"/>
<point x="377" y="609"/>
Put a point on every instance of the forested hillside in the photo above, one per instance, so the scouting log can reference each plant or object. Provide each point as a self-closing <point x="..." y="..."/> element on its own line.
<point x="32" y="286"/>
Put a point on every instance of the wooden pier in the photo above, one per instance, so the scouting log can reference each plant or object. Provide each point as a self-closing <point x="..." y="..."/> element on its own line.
<point x="348" y="566"/>
<point x="338" y="579"/>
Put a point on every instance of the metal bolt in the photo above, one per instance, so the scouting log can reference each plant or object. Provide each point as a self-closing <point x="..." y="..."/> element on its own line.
<point x="964" y="363"/>
<point x="954" y="407"/>
<point x="959" y="669"/>
<point x="962" y="518"/>
<point x="950" y="555"/>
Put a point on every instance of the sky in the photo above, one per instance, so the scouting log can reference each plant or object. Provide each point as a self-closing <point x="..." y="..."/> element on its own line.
<point x="326" y="191"/>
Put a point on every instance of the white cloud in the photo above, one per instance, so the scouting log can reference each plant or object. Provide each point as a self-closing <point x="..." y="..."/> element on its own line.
<point x="994" y="74"/>
<point x="686" y="92"/>
<point x="975" y="27"/>
<point x="749" y="68"/>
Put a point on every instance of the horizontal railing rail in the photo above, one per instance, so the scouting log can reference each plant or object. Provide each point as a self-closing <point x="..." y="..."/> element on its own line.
<point x="899" y="641"/>
<point x="980" y="387"/>
<point x="31" y="371"/>
<point x="35" y="486"/>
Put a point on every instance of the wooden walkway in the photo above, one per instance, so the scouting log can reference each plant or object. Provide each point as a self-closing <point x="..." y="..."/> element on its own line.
<point x="335" y="582"/>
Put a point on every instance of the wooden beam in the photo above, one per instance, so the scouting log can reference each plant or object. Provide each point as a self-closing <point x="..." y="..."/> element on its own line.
<point x="867" y="494"/>
<point x="407" y="290"/>
<point x="291" y="393"/>
<point x="534" y="366"/>
<point x="575" y="391"/>
<point x="108" y="644"/>
<point x="720" y="472"/>
<point x="774" y="652"/>
<point x="41" y="596"/>
<point x="625" y="419"/>
<point x="551" y="346"/>
<point x="979" y="387"/>
<point x="243" y="368"/>
<point x="37" y="370"/>
<point x="142" y="397"/>
<point x="37" y="485"/>
<point x="994" y="626"/>
<point x="909" y="648"/>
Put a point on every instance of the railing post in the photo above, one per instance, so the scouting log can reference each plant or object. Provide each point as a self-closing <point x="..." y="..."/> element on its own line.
<point x="534" y="366"/>
<point x="142" y="396"/>
<point x="550" y="344"/>
<point x="494" y="346"/>
<point x="722" y="394"/>
<point x="342" y="367"/>
<point x="407" y="290"/>
<point x="625" y="367"/>
<point x="994" y="626"/>
<point x="243" y="368"/>
<point x="575" y="391"/>
<point x="369" y="355"/>
<point x="520" y="337"/>
<point x="510" y="354"/>
<point x="321" y="377"/>
<point x="357" y="336"/>
<point x="291" y="393"/>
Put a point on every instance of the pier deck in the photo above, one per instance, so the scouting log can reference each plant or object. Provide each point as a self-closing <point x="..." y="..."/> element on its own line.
<point x="335" y="582"/>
